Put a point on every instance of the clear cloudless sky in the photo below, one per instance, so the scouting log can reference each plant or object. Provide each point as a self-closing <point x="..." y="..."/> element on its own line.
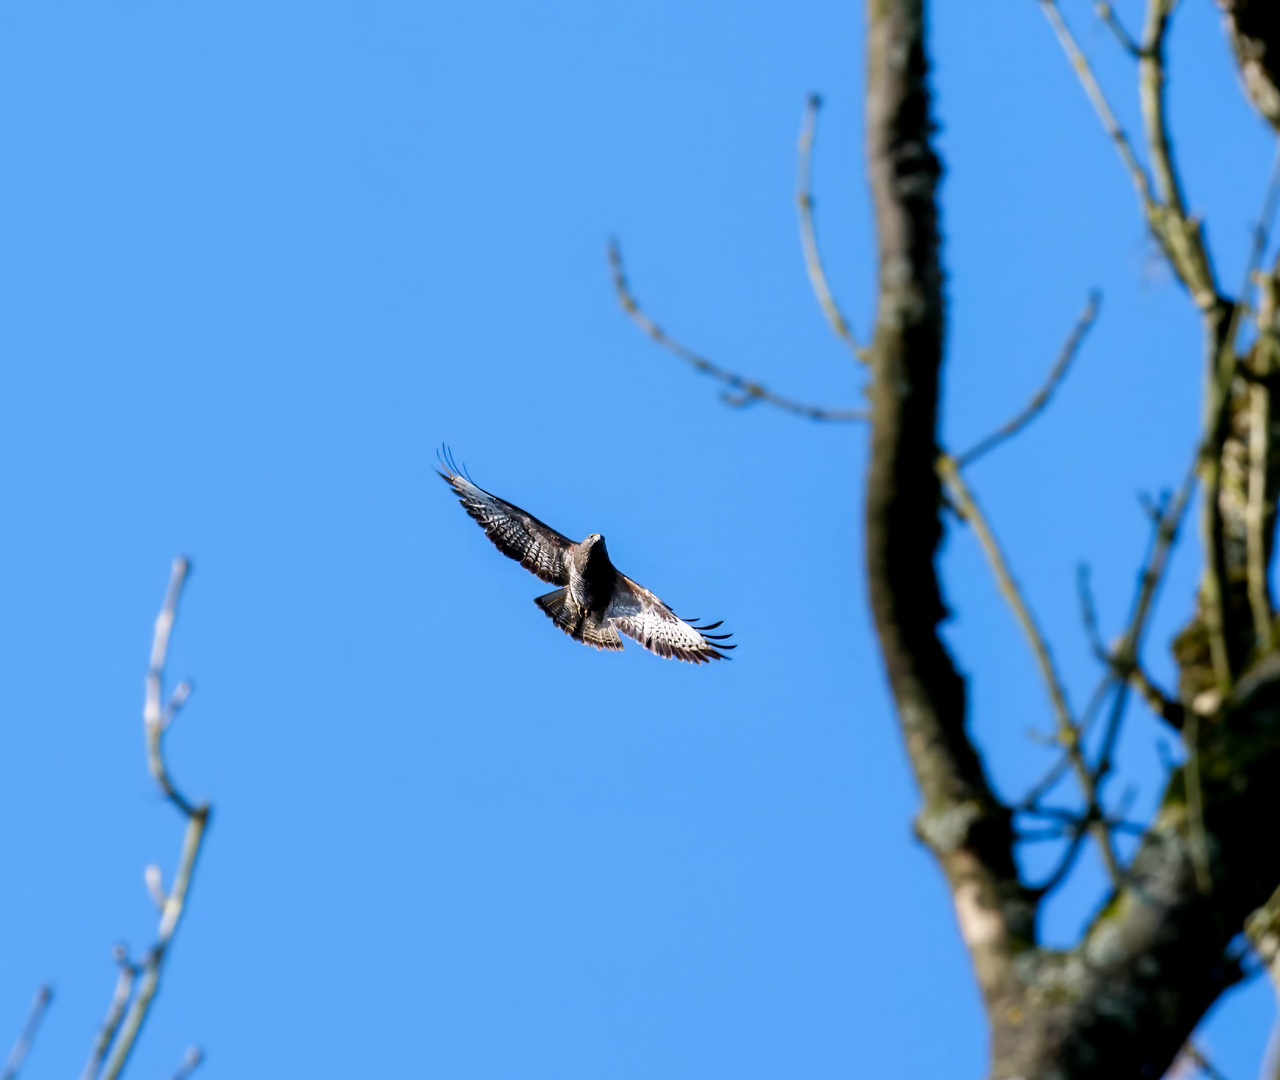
<point x="258" y="260"/>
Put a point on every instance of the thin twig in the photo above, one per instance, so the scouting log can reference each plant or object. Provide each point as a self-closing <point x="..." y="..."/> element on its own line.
<point x="1108" y="16"/>
<point x="1100" y="104"/>
<point x="1131" y="671"/>
<point x="1182" y="234"/>
<point x="1127" y="654"/>
<point x="1068" y="729"/>
<point x="1030" y="801"/>
<point x="748" y="391"/>
<point x="968" y="508"/>
<point x="154" y="719"/>
<point x="190" y="1062"/>
<point x="1116" y="822"/>
<point x="153" y="715"/>
<point x="1041" y="397"/>
<point x="1168" y="522"/>
<point x="1089" y="612"/>
<point x="1160" y="703"/>
<point x="1059" y="875"/>
<point x="115" y="1013"/>
<point x="1185" y="245"/>
<point x="1089" y="616"/>
<point x="1259" y="234"/>
<point x="809" y="235"/>
<point x="1121" y="664"/>
<point x="27" y="1036"/>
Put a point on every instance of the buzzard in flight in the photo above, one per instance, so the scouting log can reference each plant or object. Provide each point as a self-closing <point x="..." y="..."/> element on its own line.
<point x="594" y="601"/>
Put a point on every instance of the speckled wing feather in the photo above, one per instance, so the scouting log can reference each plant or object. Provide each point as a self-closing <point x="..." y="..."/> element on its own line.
<point x="639" y="614"/>
<point x="535" y="546"/>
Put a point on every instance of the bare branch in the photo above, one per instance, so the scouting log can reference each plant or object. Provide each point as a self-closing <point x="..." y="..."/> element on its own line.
<point x="1183" y="238"/>
<point x="747" y="391"/>
<point x="1259" y="501"/>
<point x="1068" y="860"/>
<point x="115" y="1013"/>
<point x="153" y="715"/>
<point x="1089" y="613"/>
<point x="1041" y="397"/>
<point x="1030" y="802"/>
<point x="1107" y="15"/>
<point x="1130" y="671"/>
<point x="151" y="966"/>
<point x="809" y="236"/>
<point x="1125" y="657"/>
<point x="27" y="1036"/>
<point x="967" y="507"/>
<point x="190" y="1062"/>
<point x="1259" y="510"/>
<point x="1160" y="703"/>
<point x="173" y="903"/>
<point x="1167" y="522"/>
<point x="155" y="886"/>
<point x="1068" y="729"/>
<point x="1205" y="1065"/>
<point x="1100" y="104"/>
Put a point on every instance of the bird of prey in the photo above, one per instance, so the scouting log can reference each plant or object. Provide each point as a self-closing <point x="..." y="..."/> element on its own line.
<point x="594" y="601"/>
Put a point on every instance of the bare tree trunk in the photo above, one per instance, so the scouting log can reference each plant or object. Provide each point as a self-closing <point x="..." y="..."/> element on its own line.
<point x="1167" y="939"/>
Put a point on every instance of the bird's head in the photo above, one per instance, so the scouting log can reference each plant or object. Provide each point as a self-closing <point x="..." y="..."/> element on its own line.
<point x="594" y="539"/>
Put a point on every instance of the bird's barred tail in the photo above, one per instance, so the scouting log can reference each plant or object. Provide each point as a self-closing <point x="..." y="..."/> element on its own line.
<point x="578" y="628"/>
<point x="553" y="604"/>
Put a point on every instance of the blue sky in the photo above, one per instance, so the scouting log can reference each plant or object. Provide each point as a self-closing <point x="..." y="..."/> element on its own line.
<point x="260" y="260"/>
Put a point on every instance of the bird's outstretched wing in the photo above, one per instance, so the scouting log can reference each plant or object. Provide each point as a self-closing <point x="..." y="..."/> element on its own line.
<point x="535" y="546"/>
<point x="639" y="614"/>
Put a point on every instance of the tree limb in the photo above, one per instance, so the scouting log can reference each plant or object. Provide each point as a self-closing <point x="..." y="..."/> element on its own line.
<point x="1141" y="182"/>
<point x="115" y="1012"/>
<point x="969" y="830"/>
<point x="1068" y="731"/>
<point x="747" y="391"/>
<point x="1105" y="12"/>
<point x="21" y="1048"/>
<point x="1041" y="397"/>
<point x="190" y="1062"/>
<point x="1260" y="513"/>
<point x="809" y="234"/>
<point x="155" y="720"/>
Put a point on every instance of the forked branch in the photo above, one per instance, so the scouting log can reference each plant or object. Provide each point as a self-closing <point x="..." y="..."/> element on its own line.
<point x="1111" y="20"/>
<point x="119" y="1032"/>
<point x="1141" y="182"/>
<point x="742" y="391"/>
<point x="1068" y="730"/>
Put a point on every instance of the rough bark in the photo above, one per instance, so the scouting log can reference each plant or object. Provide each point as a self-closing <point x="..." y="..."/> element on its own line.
<point x="962" y="821"/>
<point x="1163" y="948"/>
